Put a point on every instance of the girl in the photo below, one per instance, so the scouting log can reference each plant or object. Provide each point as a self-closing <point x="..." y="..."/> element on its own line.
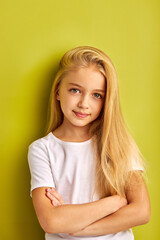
<point x="86" y="173"/>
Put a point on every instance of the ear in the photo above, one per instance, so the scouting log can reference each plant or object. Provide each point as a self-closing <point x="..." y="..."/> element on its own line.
<point x="57" y="96"/>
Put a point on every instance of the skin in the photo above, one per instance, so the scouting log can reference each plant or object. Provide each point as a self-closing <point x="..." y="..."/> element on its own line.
<point x="71" y="218"/>
<point x="83" y="91"/>
<point x="136" y="212"/>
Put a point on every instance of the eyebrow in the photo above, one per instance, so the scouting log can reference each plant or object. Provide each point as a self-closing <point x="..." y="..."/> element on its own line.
<point x="75" y="84"/>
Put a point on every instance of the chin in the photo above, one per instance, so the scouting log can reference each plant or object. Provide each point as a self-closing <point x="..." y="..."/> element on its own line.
<point x="80" y="124"/>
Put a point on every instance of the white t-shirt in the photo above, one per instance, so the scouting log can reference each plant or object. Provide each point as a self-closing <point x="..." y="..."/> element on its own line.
<point x="68" y="167"/>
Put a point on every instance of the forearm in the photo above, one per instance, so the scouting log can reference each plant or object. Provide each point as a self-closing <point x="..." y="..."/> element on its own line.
<point x="75" y="217"/>
<point x="125" y="218"/>
<point x="137" y="212"/>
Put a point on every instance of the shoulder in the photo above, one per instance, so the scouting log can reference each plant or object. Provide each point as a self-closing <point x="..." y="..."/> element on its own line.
<point x="137" y="164"/>
<point x="42" y="143"/>
<point x="41" y="148"/>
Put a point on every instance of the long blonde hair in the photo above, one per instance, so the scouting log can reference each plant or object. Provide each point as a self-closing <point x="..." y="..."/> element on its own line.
<point x="116" y="150"/>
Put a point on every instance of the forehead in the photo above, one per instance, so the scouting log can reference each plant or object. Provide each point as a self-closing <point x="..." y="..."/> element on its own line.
<point x="88" y="77"/>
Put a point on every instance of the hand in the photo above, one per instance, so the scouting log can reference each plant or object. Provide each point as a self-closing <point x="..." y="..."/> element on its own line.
<point x="54" y="196"/>
<point x="123" y="201"/>
<point x="118" y="202"/>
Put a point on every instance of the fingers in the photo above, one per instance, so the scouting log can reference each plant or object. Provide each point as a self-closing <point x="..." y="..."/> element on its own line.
<point x="123" y="201"/>
<point x="55" y="202"/>
<point x="54" y="196"/>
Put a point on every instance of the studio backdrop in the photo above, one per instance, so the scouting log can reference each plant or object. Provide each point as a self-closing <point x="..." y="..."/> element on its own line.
<point x="34" y="36"/>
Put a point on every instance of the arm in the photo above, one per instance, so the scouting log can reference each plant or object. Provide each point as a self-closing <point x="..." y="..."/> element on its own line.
<point x="137" y="212"/>
<point x="71" y="218"/>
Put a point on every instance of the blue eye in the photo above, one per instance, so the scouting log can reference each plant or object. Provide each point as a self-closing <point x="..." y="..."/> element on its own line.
<point x="74" y="90"/>
<point x="97" y="95"/>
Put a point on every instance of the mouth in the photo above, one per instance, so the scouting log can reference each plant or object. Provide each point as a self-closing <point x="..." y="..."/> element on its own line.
<point x="81" y="115"/>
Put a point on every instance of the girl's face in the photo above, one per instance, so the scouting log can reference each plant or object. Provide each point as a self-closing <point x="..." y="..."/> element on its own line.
<point x="81" y="95"/>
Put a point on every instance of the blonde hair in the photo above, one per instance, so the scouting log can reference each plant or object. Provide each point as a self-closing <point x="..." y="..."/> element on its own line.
<point x="116" y="150"/>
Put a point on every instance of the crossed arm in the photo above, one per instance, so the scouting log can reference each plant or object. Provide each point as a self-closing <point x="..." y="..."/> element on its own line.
<point x="105" y="216"/>
<point x="136" y="212"/>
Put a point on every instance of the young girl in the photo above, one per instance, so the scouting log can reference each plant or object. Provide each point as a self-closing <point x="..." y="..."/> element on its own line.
<point x="86" y="173"/>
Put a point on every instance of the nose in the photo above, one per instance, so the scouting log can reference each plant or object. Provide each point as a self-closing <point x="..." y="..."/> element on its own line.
<point x="83" y="102"/>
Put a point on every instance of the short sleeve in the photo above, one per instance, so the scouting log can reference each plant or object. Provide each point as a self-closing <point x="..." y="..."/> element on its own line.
<point x="40" y="167"/>
<point x="136" y="166"/>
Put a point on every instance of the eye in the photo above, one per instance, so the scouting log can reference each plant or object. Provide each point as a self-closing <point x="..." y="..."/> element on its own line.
<point x="74" y="90"/>
<point x="97" y="95"/>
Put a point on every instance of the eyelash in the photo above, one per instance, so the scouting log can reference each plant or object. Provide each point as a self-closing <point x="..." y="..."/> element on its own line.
<point x="74" y="90"/>
<point x="99" y="95"/>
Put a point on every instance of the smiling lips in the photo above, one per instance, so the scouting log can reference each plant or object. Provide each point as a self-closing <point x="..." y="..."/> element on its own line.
<point x="81" y="115"/>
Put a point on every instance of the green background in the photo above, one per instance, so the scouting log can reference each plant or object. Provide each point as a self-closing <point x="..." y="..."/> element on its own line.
<point x="34" y="36"/>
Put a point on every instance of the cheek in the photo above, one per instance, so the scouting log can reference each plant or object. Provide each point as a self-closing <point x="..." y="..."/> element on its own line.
<point x="97" y="107"/>
<point x="66" y="101"/>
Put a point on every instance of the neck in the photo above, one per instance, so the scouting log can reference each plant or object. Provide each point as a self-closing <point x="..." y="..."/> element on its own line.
<point x="68" y="132"/>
